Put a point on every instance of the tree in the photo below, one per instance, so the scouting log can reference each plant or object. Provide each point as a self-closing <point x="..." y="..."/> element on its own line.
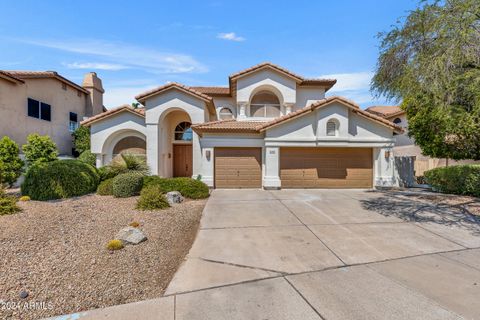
<point x="39" y="149"/>
<point x="10" y="163"/>
<point x="431" y="62"/>
<point x="81" y="139"/>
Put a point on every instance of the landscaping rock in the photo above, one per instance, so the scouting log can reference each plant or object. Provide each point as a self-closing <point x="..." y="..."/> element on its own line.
<point x="131" y="235"/>
<point x="174" y="197"/>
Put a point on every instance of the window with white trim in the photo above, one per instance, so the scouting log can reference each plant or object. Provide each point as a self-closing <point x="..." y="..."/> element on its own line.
<point x="225" y="114"/>
<point x="331" y="128"/>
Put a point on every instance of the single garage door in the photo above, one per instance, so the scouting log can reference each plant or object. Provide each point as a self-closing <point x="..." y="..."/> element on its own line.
<point x="326" y="167"/>
<point x="238" y="168"/>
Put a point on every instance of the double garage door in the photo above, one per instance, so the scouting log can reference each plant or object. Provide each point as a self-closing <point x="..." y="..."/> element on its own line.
<point x="299" y="167"/>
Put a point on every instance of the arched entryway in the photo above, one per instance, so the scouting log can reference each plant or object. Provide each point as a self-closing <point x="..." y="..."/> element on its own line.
<point x="123" y="141"/>
<point x="176" y="144"/>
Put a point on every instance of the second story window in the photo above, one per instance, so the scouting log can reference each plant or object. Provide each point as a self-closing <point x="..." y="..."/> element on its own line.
<point x="73" y="123"/>
<point x="225" y="114"/>
<point x="39" y="110"/>
<point x="265" y="104"/>
<point x="331" y="128"/>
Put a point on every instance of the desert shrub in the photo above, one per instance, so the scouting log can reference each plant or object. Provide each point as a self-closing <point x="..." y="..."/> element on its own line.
<point x="24" y="198"/>
<point x="127" y="184"/>
<point x="134" y="224"/>
<point x="128" y="162"/>
<point x="115" y="244"/>
<point x="106" y="172"/>
<point x="151" y="198"/>
<point x="188" y="187"/>
<point x="10" y="163"/>
<point x="105" y="188"/>
<point x="81" y="139"/>
<point x="88" y="157"/>
<point x="8" y="204"/>
<point x="39" y="149"/>
<point x="462" y="179"/>
<point x="59" y="179"/>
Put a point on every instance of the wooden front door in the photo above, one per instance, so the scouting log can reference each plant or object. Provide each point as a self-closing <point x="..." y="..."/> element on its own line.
<point x="182" y="160"/>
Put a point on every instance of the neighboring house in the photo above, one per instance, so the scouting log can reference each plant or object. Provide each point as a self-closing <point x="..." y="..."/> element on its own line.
<point x="44" y="102"/>
<point x="269" y="128"/>
<point x="405" y="146"/>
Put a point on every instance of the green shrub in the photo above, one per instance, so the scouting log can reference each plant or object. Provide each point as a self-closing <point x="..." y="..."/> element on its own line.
<point x="59" y="179"/>
<point x="115" y="244"/>
<point x="130" y="163"/>
<point x="151" y="198"/>
<point x="462" y="179"/>
<point x="81" y="139"/>
<point x="105" y="188"/>
<point x="8" y="204"/>
<point x="127" y="184"/>
<point x="10" y="163"/>
<point x="188" y="187"/>
<point x="39" y="149"/>
<point x="106" y="173"/>
<point x="88" y="157"/>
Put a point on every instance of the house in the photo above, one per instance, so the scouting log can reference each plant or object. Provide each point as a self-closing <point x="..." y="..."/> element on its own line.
<point x="268" y="128"/>
<point x="44" y="102"/>
<point x="405" y="146"/>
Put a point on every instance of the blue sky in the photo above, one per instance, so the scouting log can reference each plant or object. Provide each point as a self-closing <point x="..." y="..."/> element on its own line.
<point x="137" y="45"/>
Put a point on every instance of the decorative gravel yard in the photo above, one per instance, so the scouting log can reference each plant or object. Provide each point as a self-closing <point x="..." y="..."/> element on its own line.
<point x="56" y="252"/>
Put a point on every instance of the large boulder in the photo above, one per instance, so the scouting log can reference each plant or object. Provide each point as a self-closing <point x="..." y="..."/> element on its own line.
<point x="174" y="197"/>
<point x="131" y="235"/>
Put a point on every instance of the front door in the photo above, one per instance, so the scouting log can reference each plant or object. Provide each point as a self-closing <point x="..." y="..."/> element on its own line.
<point x="182" y="160"/>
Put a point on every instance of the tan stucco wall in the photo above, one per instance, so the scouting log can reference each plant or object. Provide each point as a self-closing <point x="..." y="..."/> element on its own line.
<point x="15" y="123"/>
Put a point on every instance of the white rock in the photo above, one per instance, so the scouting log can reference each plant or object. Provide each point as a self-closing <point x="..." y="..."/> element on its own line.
<point x="131" y="235"/>
<point x="174" y="197"/>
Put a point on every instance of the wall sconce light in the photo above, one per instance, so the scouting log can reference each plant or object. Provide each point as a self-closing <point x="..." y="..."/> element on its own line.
<point x="208" y="154"/>
<point x="387" y="154"/>
<point x="169" y="155"/>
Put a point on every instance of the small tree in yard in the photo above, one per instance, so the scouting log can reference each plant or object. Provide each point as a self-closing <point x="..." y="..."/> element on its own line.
<point x="81" y="139"/>
<point x="39" y="149"/>
<point x="431" y="62"/>
<point x="10" y="163"/>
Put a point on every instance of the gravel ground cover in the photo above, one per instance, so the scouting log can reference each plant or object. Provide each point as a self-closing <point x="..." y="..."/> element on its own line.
<point x="471" y="205"/>
<point x="55" y="251"/>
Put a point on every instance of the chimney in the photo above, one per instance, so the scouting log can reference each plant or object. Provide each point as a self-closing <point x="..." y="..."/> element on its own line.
<point x="93" y="84"/>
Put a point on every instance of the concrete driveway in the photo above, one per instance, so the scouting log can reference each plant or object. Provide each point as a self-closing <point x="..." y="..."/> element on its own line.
<point x="322" y="254"/>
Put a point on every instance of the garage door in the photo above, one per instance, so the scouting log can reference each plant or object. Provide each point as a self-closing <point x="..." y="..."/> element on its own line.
<point x="326" y="167"/>
<point x="238" y="168"/>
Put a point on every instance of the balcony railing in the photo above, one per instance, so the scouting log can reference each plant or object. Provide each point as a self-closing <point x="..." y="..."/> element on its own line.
<point x="265" y="110"/>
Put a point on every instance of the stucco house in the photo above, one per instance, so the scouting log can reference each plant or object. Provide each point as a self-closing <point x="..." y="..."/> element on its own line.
<point x="405" y="146"/>
<point x="47" y="103"/>
<point x="268" y="128"/>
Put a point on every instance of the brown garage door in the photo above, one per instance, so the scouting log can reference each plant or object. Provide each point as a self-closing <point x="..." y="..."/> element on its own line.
<point x="326" y="167"/>
<point x="238" y="168"/>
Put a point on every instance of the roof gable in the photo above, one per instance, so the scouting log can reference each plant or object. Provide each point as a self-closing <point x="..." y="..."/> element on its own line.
<point x="46" y="74"/>
<point x="107" y="114"/>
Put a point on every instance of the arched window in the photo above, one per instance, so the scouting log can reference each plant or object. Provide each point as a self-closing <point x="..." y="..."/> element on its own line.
<point x="331" y="128"/>
<point x="183" y="132"/>
<point x="397" y="121"/>
<point x="265" y="104"/>
<point x="225" y="114"/>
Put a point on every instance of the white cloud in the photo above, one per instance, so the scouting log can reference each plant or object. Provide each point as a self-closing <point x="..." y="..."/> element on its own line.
<point x="351" y="81"/>
<point x="231" y="36"/>
<point x="95" y="65"/>
<point x="117" y="96"/>
<point x="128" y="55"/>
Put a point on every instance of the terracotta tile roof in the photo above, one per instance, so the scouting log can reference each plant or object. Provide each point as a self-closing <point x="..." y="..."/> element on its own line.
<point x="327" y="83"/>
<point x="111" y="112"/>
<point x="208" y="100"/>
<point x="257" y="126"/>
<point x="10" y="77"/>
<point x="213" y="91"/>
<point x="324" y="102"/>
<point x="231" y="125"/>
<point x="385" y="111"/>
<point x="23" y="74"/>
